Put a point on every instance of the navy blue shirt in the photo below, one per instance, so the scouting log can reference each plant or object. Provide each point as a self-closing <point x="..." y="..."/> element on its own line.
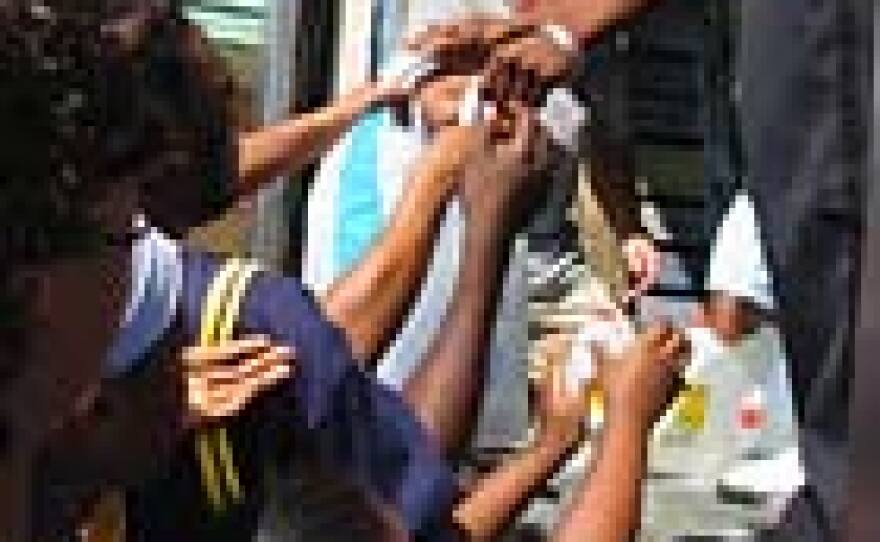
<point x="358" y="429"/>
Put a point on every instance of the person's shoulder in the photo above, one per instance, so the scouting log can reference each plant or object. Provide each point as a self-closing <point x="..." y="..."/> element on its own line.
<point x="262" y="289"/>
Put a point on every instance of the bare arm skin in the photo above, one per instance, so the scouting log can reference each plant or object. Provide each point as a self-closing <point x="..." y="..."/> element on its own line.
<point x="445" y="389"/>
<point x="636" y="388"/>
<point x="585" y="18"/>
<point x="498" y="497"/>
<point x="369" y="302"/>
<point x="293" y="144"/>
<point x="489" y="508"/>
<point x="608" y="508"/>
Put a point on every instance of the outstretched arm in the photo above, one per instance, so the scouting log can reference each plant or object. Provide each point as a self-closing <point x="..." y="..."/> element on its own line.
<point x="636" y="388"/>
<point x="291" y="145"/>
<point x="445" y="389"/>
<point x="608" y="507"/>
<point x="369" y="302"/>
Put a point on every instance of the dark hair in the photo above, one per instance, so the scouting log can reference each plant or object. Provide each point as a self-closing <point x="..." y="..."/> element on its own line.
<point x="86" y="110"/>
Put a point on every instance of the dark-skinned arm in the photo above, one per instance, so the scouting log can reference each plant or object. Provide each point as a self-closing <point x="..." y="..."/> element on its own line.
<point x="636" y="387"/>
<point x="370" y="301"/>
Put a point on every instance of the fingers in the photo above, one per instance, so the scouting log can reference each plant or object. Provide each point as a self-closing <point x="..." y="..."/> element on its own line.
<point x="511" y="76"/>
<point x="215" y="392"/>
<point x="600" y="363"/>
<point x="674" y="349"/>
<point x="515" y="135"/>
<point x="522" y="130"/>
<point x="229" y="351"/>
<point x="221" y="401"/>
<point x="554" y="348"/>
<point x="478" y="29"/>
<point x="252" y="367"/>
<point x="655" y="335"/>
<point x="505" y="80"/>
<point x="665" y="342"/>
<point x="643" y="262"/>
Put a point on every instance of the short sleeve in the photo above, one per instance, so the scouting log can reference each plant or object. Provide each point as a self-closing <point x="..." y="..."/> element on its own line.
<point x="362" y="429"/>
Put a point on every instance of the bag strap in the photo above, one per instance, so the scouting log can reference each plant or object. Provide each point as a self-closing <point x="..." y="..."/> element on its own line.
<point x="220" y="313"/>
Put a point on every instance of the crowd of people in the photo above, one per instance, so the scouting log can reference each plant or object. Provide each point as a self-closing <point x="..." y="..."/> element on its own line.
<point x="118" y="138"/>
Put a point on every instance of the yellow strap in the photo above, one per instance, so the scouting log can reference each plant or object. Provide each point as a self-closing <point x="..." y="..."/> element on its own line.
<point x="237" y="290"/>
<point x="224" y="453"/>
<point x="221" y="310"/>
<point x="224" y="333"/>
<point x="211" y="314"/>
<point x="209" y="473"/>
<point x="214" y="301"/>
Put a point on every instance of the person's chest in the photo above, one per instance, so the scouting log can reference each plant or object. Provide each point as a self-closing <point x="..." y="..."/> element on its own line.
<point x="71" y="424"/>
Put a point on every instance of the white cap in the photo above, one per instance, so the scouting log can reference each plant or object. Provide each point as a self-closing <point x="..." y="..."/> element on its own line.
<point x="737" y="265"/>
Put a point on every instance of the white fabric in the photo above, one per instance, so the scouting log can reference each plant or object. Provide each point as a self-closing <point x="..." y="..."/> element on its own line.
<point x="405" y="70"/>
<point x="687" y="466"/>
<point x="737" y="264"/>
<point x="563" y="116"/>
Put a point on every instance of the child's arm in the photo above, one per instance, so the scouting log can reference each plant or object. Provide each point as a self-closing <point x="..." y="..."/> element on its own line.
<point x="484" y="512"/>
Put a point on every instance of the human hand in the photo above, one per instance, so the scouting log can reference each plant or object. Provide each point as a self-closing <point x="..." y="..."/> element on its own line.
<point x="638" y="384"/>
<point x="440" y="101"/>
<point x="221" y="380"/>
<point x="561" y="410"/>
<point x="523" y="69"/>
<point x="643" y="264"/>
<point x="730" y="318"/>
<point x="452" y="149"/>
<point x="464" y="45"/>
<point x="501" y="180"/>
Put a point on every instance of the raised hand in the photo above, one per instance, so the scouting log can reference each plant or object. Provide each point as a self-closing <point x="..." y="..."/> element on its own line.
<point x="639" y="383"/>
<point x="502" y="179"/>
<point x="730" y="318"/>
<point x="465" y="44"/>
<point x="643" y="264"/>
<point x="518" y="59"/>
<point x="561" y="410"/>
<point x="524" y="68"/>
<point x="221" y="380"/>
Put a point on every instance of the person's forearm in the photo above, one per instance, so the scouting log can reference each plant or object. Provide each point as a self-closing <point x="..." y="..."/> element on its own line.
<point x="608" y="507"/>
<point x="367" y="301"/>
<point x="586" y="19"/>
<point x="445" y="389"/>
<point x="496" y="498"/>
<point x="291" y="145"/>
<point x="370" y="301"/>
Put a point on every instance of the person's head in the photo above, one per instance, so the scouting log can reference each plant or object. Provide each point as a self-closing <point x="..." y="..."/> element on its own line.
<point x="106" y="107"/>
<point x="110" y="106"/>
